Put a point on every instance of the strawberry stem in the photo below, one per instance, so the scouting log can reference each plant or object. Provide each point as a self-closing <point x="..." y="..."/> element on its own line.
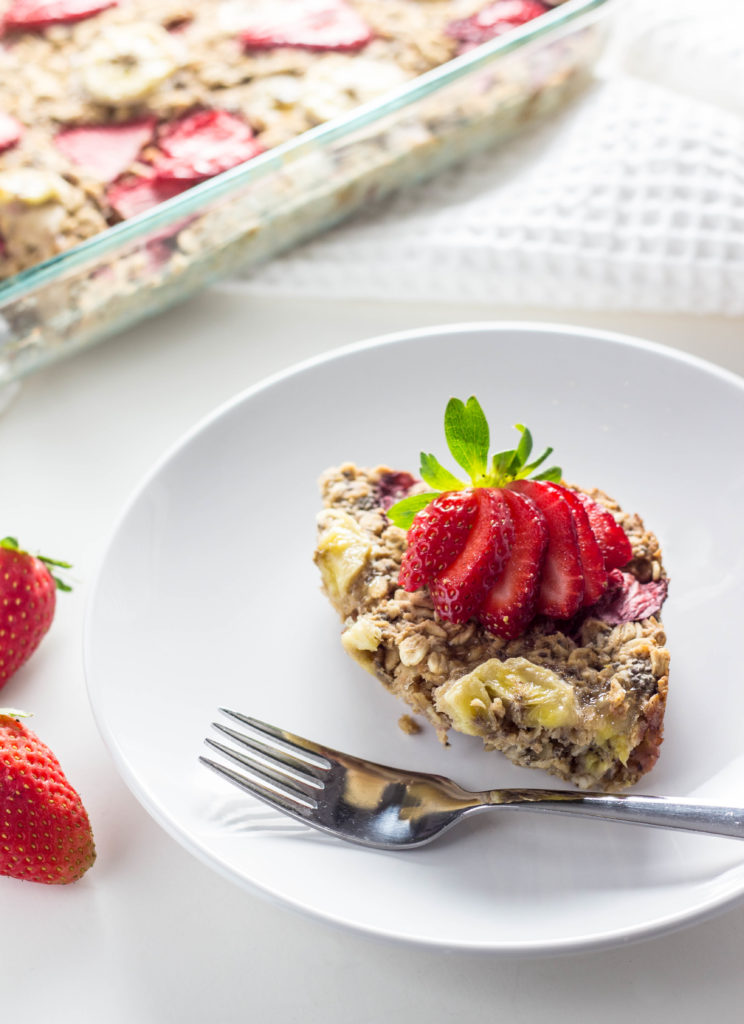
<point x="11" y="544"/>
<point x="467" y="435"/>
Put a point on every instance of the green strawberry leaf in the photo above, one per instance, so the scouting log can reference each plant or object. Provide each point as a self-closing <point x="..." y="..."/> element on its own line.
<point x="54" y="561"/>
<point x="15" y="713"/>
<point x="467" y="435"/>
<point x="525" y="444"/>
<point x="59" y="583"/>
<point x="554" y="474"/>
<point x="436" y="476"/>
<point x="537" y="462"/>
<point x="402" y="513"/>
<point x="468" y="439"/>
<point x="501" y="464"/>
<point x="11" y="544"/>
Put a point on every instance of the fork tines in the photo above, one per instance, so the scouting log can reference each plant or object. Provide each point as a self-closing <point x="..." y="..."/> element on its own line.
<point x="277" y="767"/>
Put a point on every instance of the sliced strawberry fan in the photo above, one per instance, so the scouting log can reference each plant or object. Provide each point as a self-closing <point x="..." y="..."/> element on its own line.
<point x="512" y="544"/>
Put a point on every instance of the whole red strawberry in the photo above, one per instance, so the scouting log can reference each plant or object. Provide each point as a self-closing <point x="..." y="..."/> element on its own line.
<point x="45" y="833"/>
<point x="27" y="603"/>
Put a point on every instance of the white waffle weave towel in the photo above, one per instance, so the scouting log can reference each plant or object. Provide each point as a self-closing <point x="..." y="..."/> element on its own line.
<point x="632" y="199"/>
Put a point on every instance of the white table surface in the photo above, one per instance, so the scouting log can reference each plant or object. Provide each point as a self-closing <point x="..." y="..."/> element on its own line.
<point x="151" y="934"/>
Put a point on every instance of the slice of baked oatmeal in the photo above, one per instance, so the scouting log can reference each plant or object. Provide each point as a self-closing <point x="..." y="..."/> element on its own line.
<point x="582" y="698"/>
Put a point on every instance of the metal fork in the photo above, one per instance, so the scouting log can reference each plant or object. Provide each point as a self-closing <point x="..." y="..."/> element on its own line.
<point x="375" y="805"/>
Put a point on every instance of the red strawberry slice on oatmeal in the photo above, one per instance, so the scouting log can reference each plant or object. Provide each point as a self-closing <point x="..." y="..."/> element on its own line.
<point x="204" y="144"/>
<point x="611" y="537"/>
<point x="394" y="486"/>
<point x="628" y="600"/>
<point x="437" y="537"/>
<point x="561" y="591"/>
<point x="105" y="150"/>
<point x="11" y="131"/>
<point x="39" y="14"/>
<point x="190" y="150"/>
<point x="494" y="20"/>
<point x="135" y="193"/>
<point x="511" y="603"/>
<point x="458" y="591"/>
<point x="307" y="24"/>
<point x="590" y="554"/>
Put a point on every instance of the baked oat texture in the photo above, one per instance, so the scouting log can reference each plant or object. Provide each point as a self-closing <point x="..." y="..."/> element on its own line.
<point x="65" y="76"/>
<point x="585" y="704"/>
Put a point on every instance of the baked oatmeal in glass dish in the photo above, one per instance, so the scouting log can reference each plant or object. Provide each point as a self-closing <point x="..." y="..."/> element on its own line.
<point x="147" y="149"/>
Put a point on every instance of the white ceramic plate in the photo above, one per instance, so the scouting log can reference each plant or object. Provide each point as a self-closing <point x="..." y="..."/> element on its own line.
<point x="208" y="596"/>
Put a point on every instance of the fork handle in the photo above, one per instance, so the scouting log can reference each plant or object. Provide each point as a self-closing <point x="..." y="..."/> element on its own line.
<point x="657" y="811"/>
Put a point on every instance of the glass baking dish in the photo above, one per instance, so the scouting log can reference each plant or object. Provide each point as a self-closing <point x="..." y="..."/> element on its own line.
<point x="245" y="216"/>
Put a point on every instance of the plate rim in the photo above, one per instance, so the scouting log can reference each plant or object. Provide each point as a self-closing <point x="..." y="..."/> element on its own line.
<point x="663" y="924"/>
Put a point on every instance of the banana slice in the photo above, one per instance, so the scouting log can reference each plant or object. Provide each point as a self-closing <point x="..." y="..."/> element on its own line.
<point x="32" y="186"/>
<point x="279" y="91"/>
<point x="338" y="83"/>
<point x="127" y="63"/>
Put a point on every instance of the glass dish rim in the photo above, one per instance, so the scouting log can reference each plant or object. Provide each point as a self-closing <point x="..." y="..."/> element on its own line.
<point x="194" y="199"/>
